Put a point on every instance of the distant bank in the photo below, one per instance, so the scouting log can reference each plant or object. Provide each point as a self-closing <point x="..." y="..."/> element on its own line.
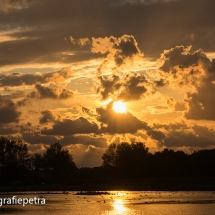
<point x="145" y="184"/>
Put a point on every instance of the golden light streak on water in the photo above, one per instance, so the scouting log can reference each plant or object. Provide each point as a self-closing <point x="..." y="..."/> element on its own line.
<point x="119" y="206"/>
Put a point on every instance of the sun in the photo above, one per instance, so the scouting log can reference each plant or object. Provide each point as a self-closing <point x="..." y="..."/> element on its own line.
<point x="119" y="107"/>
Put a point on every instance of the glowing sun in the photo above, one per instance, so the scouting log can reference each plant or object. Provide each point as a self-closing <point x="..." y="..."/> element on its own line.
<point x="119" y="107"/>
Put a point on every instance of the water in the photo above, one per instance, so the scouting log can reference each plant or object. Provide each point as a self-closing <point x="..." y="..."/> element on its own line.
<point x="117" y="203"/>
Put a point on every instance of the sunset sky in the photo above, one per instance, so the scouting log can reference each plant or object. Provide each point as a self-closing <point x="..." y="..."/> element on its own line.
<point x="87" y="73"/>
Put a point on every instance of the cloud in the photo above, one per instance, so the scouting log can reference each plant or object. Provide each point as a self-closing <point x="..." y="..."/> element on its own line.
<point x="204" y="132"/>
<point x="69" y="140"/>
<point x="17" y="79"/>
<point x="185" y="135"/>
<point x="8" y="111"/>
<point x="81" y="41"/>
<point x="88" y="156"/>
<point x="50" y="93"/>
<point x="70" y="127"/>
<point x="36" y="138"/>
<point x="7" y="130"/>
<point x="24" y="102"/>
<point x="156" y="135"/>
<point x="46" y="23"/>
<point x="117" y="123"/>
<point x="193" y="73"/>
<point x="38" y="34"/>
<point x="172" y="126"/>
<point x="14" y="95"/>
<point x="161" y="83"/>
<point x="85" y="140"/>
<point x="187" y="139"/>
<point x="6" y="5"/>
<point x="47" y="116"/>
<point x="202" y="103"/>
<point x="138" y="2"/>
<point x="182" y="68"/>
<point x="134" y="87"/>
<point x="127" y="87"/>
<point x="180" y="57"/>
<point x="118" y="49"/>
<point x="180" y="106"/>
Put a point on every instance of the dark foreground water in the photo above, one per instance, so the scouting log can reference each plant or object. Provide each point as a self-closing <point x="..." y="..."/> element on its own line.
<point x="116" y="203"/>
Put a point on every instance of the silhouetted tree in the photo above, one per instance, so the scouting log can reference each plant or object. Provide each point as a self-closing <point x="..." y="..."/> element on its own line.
<point x="123" y="159"/>
<point x="110" y="156"/>
<point x="59" y="161"/>
<point x="141" y="162"/>
<point x="126" y="159"/>
<point x="170" y="163"/>
<point x="14" y="158"/>
<point x="37" y="162"/>
<point x="202" y="163"/>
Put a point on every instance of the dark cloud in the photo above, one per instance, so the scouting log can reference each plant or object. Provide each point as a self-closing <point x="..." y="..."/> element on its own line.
<point x="7" y="130"/>
<point x="171" y="126"/>
<point x="202" y="104"/>
<point x="134" y="87"/>
<point x="70" y="127"/>
<point x="130" y="86"/>
<point x="180" y="57"/>
<point x="38" y="28"/>
<point x="184" y="135"/>
<point x="7" y="5"/>
<point x="156" y="135"/>
<point x="181" y="67"/>
<point x="24" y="102"/>
<point x="126" y="47"/>
<point x="85" y="140"/>
<point x="193" y="73"/>
<point x="45" y="49"/>
<point x="8" y="111"/>
<point x="47" y="116"/>
<point x="120" y="49"/>
<point x="17" y="79"/>
<point x="36" y="138"/>
<point x="17" y="94"/>
<point x="50" y="93"/>
<point x="161" y="83"/>
<point x="14" y="95"/>
<point x="108" y="85"/>
<point x="187" y="139"/>
<point x="117" y="123"/>
<point x="138" y="2"/>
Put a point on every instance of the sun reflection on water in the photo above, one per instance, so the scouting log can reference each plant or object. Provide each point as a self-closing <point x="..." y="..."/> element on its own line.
<point x="119" y="206"/>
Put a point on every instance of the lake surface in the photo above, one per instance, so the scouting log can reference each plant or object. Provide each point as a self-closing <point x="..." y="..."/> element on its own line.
<point x="116" y="203"/>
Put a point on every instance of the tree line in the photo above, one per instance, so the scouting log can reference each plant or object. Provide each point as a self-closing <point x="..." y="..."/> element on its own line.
<point x="16" y="162"/>
<point x="134" y="160"/>
<point x="122" y="160"/>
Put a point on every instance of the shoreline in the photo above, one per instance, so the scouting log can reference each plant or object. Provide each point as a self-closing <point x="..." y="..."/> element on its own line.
<point x="144" y="184"/>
